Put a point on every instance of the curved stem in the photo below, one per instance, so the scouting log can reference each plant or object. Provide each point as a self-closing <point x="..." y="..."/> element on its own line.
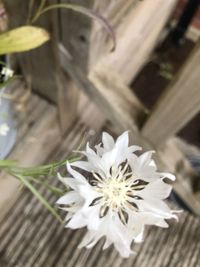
<point x="90" y="13"/>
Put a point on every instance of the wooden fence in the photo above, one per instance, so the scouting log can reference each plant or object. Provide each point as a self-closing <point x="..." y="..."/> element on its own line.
<point x="79" y="56"/>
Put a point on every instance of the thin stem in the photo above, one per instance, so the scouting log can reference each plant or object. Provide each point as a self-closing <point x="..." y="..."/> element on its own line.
<point x="48" y="169"/>
<point x="90" y="13"/>
<point x="39" y="11"/>
<point x="38" y="196"/>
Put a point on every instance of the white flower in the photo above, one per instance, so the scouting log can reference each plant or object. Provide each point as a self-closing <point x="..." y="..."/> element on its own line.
<point x="4" y="129"/>
<point x="119" y="194"/>
<point x="7" y="72"/>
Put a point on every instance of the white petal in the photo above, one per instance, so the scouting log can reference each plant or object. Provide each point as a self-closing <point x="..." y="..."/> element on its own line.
<point x="132" y="149"/>
<point x="153" y="164"/>
<point x="71" y="182"/>
<point x="68" y="216"/>
<point x="89" y="150"/>
<point x="100" y="150"/>
<point x="149" y="218"/>
<point x="108" y="160"/>
<point x="134" y="162"/>
<point x="167" y="175"/>
<point x="155" y="206"/>
<point x="77" y="221"/>
<point x="69" y="198"/>
<point x="84" y="165"/>
<point x="88" y="193"/>
<point x="122" y="148"/>
<point x="108" y="141"/>
<point x="123" y="140"/>
<point x="139" y="238"/>
<point x="136" y="224"/>
<point x="79" y="177"/>
<point x="145" y="158"/>
<point x="157" y="189"/>
<point x="90" y="239"/>
<point x="118" y="234"/>
<point x="68" y="182"/>
<point x="107" y="244"/>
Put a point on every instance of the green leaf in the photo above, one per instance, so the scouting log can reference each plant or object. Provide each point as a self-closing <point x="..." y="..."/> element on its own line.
<point x="39" y="196"/>
<point x="22" y="39"/>
<point x="90" y="13"/>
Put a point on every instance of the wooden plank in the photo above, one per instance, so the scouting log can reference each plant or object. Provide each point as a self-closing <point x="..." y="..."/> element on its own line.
<point x="37" y="64"/>
<point x="41" y="67"/>
<point x="115" y="12"/>
<point x="85" y="38"/>
<point x="133" y="24"/>
<point x="116" y="104"/>
<point x="75" y="31"/>
<point x="178" y="105"/>
<point x="137" y="35"/>
<point x="33" y="149"/>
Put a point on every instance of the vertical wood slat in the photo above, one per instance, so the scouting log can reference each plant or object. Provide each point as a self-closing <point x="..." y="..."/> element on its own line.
<point x="137" y="34"/>
<point x="41" y="66"/>
<point x="75" y="32"/>
<point x="178" y="105"/>
<point x="115" y="12"/>
<point x="38" y="64"/>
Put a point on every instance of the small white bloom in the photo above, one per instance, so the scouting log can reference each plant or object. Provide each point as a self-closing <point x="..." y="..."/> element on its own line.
<point x="7" y="72"/>
<point x="4" y="129"/>
<point x="119" y="194"/>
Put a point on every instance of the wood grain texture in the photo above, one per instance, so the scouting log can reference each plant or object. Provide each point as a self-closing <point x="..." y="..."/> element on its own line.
<point x="115" y="12"/>
<point x="38" y="135"/>
<point x="137" y="35"/>
<point x="38" y="65"/>
<point x="75" y="29"/>
<point x="178" y="105"/>
<point x="109" y="93"/>
<point x="41" y="66"/>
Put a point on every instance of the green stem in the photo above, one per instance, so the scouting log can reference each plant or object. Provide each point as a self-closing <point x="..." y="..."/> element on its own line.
<point x="90" y="13"/>
<point x="48" y="169"/>
<point x="39" y="196"/>
<point x="39" y="11"/>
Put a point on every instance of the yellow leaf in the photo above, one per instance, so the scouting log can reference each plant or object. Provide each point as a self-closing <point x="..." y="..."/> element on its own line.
<point x="22" y="39"/>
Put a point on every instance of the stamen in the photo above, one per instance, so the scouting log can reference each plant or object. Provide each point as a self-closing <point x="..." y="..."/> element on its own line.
<point x="123" y="216"/>
<point x="95" y="201"/>
<point x="103" y="211"/>
<point x="138" y="187"/>
<point x="117" y="191"/>
<point x="132" y="206"/>
<point x="97" y="177"/>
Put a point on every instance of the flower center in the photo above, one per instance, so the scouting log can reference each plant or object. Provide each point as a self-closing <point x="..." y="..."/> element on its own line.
<point x="114" y="193"/>
<point x="117" y="192"/>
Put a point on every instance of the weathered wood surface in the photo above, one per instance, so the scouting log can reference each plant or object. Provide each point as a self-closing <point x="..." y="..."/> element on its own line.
<point x="39" y="64"/>
<point x="75" y="30"/>
<point x="41" y="67"/>
<point x="30" y="236"/>
<point x="38" y="135"/>
<point x="137" y="33"/>
<point x="135" y="24"/>
<point x="178" y="105"/>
